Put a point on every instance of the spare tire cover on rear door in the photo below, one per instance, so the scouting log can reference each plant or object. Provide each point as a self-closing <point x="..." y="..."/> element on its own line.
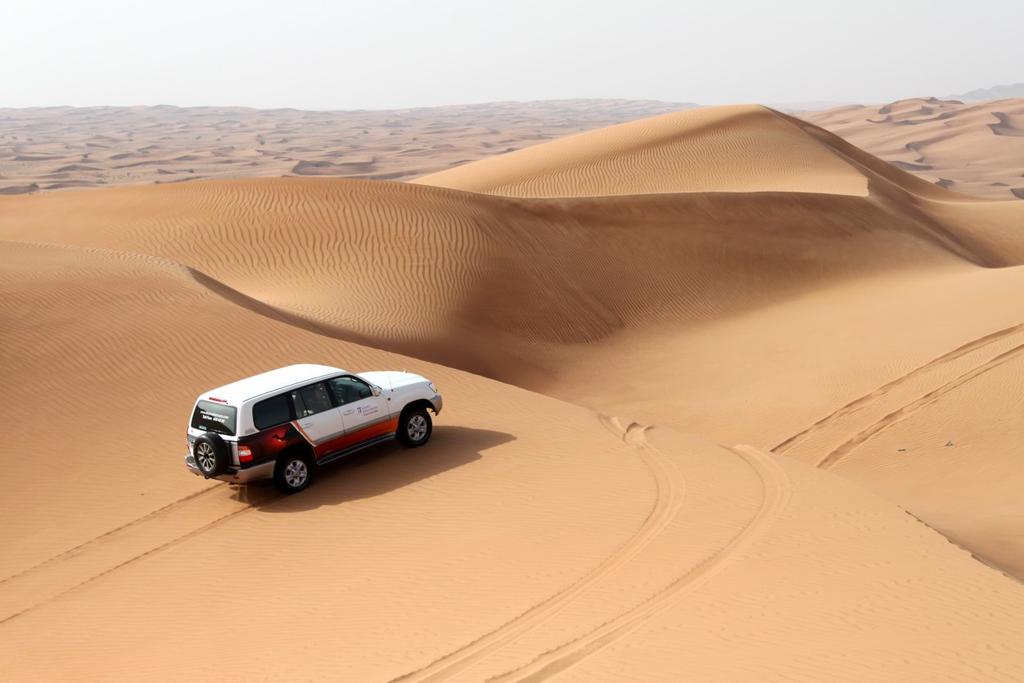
<point x="211" y="454"/>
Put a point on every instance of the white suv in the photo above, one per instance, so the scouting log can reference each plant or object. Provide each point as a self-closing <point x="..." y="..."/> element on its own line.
<point x="285" y="423"/>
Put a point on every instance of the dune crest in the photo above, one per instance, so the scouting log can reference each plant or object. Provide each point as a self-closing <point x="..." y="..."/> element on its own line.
<point x="714" y="149"/>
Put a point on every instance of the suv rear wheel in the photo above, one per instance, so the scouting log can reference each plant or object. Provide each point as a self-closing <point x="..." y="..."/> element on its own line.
<point x="293" y="472"/>
<point x="414" y="427"/>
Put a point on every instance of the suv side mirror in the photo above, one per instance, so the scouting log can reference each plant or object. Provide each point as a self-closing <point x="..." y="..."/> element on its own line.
<point x="376" y="390"/>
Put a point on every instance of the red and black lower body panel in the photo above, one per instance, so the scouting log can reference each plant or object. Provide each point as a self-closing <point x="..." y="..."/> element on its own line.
<point x="269" y="443"/>
<point x="350" y="439"/>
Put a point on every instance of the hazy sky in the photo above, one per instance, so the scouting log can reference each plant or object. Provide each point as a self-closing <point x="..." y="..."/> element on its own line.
<point x="395" y="53"/>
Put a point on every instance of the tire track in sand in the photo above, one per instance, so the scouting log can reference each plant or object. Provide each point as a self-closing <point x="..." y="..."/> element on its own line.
<point x="776" y="490"/>
<point x="882" y="391"/>
<point x="670" y="491"/>
<point x="839" y="454"/>
<point x="118" y="548"/>
<point x="85" y="544"/>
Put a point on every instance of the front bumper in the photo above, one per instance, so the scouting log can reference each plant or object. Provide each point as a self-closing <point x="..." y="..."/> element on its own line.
<point x="236" y="476"/>
<point x="437" y="402"/>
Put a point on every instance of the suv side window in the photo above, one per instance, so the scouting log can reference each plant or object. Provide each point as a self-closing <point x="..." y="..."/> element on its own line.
<point x="311" y="400"/>
<point x="271" y="412"/>
<point x="349" y="389"/>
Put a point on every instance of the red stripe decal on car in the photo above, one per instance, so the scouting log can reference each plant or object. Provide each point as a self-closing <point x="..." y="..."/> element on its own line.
<point x="354" y="438"/>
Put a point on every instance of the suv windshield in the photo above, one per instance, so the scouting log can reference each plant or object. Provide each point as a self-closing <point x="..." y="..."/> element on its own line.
<point x="214" y="417"/>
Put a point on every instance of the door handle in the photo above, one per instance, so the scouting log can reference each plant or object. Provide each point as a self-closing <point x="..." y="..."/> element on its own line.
<point x="307" y="423"/>
<point x="348" y="412"/>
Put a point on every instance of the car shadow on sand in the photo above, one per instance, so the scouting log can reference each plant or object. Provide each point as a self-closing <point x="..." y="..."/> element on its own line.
<point x="378" y="470"/>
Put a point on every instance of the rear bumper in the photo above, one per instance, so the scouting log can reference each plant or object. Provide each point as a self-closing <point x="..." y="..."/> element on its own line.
<point x="437" y="402"/>
<point x="237" y="476"/>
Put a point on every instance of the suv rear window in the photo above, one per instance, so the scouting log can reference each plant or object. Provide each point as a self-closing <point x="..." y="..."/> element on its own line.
<point x="272" y="412"/>
<point x="214" y="417"/>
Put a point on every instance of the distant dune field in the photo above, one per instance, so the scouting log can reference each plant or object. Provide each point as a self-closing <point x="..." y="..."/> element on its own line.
<point x="976" y="147"/>
<point x="60" y="147"/>
<point x="726" y="398"/>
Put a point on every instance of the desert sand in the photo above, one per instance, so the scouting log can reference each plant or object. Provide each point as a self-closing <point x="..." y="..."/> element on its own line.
<point x="975" y="148"/>
<point x="726" y="398"/>
<point x="53" y="148"/>
<point x="972" y="147"/>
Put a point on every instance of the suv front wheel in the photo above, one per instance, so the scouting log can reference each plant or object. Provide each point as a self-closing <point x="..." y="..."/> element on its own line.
<point x="293" y="472"/>
<point x="414" y="427"/>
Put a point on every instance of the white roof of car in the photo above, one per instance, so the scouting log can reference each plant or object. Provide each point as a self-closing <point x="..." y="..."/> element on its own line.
<point x="257" y="385"/>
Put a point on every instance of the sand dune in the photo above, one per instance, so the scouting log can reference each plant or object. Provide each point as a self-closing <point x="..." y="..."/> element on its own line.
<point x="52" y="148"/>
<point x="586" y="509"/>
<point x="721" y="149"/>
<point x="972" y="148"/>
<point x="439" y="274"/>
<point x="945" y="142"/>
